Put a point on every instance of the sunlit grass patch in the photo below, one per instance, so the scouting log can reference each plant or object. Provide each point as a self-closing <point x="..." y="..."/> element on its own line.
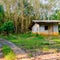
<point x="8" y="53"/>
<point x="57" y="40"/>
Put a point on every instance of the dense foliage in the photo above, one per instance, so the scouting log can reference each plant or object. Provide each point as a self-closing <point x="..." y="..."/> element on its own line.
<point x="22" y="12"/>
<point x="55" y="15"/>
<point x="8" y="27"/>
<point x="1" y="14"/>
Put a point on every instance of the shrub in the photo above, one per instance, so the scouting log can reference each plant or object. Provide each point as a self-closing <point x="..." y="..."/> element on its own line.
<point x="30" y="54"/>
<point x="7" y="27"/>
<point x="8" y="53"/>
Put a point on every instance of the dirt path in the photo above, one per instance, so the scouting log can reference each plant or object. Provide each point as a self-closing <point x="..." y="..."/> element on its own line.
<point x="1" y="56"/>
<point x="55" y="56"/>
<point x="21" y="55"/>
<point x="1" y="53"/>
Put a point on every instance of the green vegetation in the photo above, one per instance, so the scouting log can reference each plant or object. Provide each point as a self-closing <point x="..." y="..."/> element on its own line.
<point x="8" y="53"/>
<point x="7" y="27"/>
<point x="16" y="17"/>
<point x="28" y="41"/>
<point x="55" y="15"/>
<point x="33" y="42"/>
<point x="1" y="14"/>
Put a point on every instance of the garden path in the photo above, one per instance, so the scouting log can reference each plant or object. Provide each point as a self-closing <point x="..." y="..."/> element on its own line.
<point x="1" y="54"/>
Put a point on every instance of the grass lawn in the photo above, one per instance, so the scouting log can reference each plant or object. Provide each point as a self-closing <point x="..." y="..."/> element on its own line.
<point x="34" y="42"/>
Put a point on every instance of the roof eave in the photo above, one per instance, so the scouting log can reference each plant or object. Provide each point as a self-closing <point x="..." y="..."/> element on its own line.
<point x="46" y="21"/>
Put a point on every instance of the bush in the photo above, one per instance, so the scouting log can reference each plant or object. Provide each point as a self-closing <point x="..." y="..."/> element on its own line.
<point x="8" y="53"/>
<point x="7" y="27"/>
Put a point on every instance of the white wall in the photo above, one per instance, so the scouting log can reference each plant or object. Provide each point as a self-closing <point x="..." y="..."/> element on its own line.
<point x="35" y="28"/>
<point x="55" y="28"/>
<point x="42" y="29"/>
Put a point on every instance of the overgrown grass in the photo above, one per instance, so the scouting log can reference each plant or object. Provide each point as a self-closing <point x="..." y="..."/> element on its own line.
<point x="8" y="53"/>
<point x="29" y="41"/>
<point x="57" y="43"/>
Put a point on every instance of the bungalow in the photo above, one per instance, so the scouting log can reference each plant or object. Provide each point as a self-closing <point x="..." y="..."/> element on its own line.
<point x="46" y="27"/>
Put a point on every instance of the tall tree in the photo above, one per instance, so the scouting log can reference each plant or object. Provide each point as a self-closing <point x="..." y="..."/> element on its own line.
<point x="1" y="14"/>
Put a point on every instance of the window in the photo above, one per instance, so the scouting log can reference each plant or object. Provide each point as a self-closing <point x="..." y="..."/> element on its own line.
<point x="46" y="27"/>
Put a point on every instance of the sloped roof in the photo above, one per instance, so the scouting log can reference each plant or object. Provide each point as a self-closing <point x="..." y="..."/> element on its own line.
<point x="47" y="21"/>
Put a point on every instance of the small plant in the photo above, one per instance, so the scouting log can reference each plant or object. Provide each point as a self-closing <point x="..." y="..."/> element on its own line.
<point x="8" y="53"/>
<point x="46" y="43"/>
<point x="45" y="49"/>
<point x="30" y="54"/>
